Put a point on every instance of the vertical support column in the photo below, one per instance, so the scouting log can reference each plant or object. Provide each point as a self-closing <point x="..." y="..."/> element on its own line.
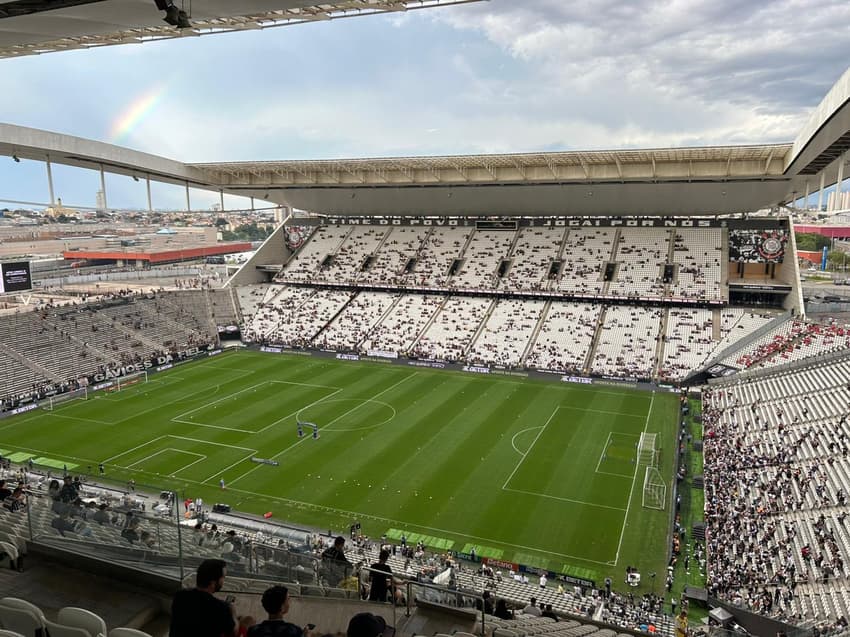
<point x="820" y="192"/>
<point x="188" y="203"/>
<point x="103" y="188"/>
<point x="148" y="184"/>
<point x="837" y="195"/>
<point x="50" y="181"/>
<point x="252" y="204"/>
<point x="806" y="199"/>
<point x="221" y="199"/>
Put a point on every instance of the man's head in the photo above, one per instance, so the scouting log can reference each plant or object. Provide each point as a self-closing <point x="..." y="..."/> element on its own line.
<point x="533" y="601"/>
<point x="366" y="625"/>
<point x="210" y="576"/>
<point x="383" y="556"/>
<point x="276" y="601"/>
<point x="339" y="542"/>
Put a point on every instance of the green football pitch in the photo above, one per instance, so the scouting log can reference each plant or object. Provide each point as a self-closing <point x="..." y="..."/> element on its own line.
<point x="537" y="472"/>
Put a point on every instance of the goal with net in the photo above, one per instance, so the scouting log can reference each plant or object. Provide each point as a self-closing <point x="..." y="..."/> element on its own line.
<point x="654" y="489"/>
<point x="53" y="401"/>
<point x="123" y="382"/>
<point x="646" y="451"/>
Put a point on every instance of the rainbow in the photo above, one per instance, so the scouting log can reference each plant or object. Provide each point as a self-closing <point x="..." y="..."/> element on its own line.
<point x="140" y="108"/>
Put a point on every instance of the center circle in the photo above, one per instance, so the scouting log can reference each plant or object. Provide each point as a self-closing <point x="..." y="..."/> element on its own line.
<point x="387" y="411"/>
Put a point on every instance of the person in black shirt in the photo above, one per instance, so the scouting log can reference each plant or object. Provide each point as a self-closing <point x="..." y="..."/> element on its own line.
<point x="276" y="603"/>
<point x="195" y="612"/>
<point x="336" y="565"/>
<point x="380" y="583"/>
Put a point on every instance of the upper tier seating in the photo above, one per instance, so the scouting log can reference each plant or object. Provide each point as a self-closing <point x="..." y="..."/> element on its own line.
<point x="306" y="264"/>
<point x="697" y="253"/>
<point x="531" y="260"/>
<point x="439" y="251"/>
<point x="641" y="255"/>
<point x="422" y="256"/>
<point x="481" y="260"/>
<point x="402" y="245"/>
<point x="585" y="254"/>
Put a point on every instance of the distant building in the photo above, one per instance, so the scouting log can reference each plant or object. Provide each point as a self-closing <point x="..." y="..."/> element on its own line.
<point x="59" y="210"/>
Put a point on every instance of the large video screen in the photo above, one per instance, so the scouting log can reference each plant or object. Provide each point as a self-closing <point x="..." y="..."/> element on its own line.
<point x="15" y="277"/>
<point x="758" y="246"/>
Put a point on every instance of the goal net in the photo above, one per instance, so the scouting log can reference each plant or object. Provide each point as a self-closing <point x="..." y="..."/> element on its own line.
<point x="646" y="451"/>
<point x="654" y="489"/>
<point x="53" y="401"/>
<point x="123" y="382"/>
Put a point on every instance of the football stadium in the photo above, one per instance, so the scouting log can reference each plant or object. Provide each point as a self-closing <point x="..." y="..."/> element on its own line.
<point x="573" y="393"/>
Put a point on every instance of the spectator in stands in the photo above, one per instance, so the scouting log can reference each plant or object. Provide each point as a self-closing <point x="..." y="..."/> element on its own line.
<point x="502" y="610"/>
<point x="5" y="491"/>
<point x="368" y="625"/>
<point x="380" y="584"/>
<point x="276" y="603"/>
<point x="336" y="565"/>
<point x="532" y="608"/>
<point x="17" y="501"/>
<point x="101" y="516"/>
<point x="549" y="612"/>
<point x="68" y="493"/>
<point x="196" y="612"/>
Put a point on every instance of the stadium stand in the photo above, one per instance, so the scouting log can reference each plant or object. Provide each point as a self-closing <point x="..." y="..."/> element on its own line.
<point x="398" y="330"/>
<point x="402" y="245"/>
<point x="697" y="255"/>
<point x="506" y="334"/>
<point x="450" y="334"/>
<point x="534" y="253"/>
<point x="439" y="251"/>
<point x="627" y="343"/>
<point x="565" y="337"/>
<point x="352" y="325"/>
<point x="640" y="255"/>
<point x="777" y="479"/>
<point x="482" y="258"/>
<point x="588" y="250"/>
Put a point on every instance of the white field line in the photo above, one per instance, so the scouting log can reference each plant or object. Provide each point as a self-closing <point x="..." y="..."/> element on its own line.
<point x="631" y="491"/>
<point x="342" y="415"/>
<point x="357" y="514"/>
<point x="531" y="446"/>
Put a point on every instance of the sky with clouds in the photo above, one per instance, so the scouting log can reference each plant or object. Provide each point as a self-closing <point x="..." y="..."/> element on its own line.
<point x="497" y="76"/>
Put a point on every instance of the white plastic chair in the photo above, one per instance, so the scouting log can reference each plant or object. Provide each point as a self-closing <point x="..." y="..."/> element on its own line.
<point x="60" y="630"/>
<point x="82" y="618"/>
<point x="17" y="602"/>
<point x="126" y="632"/>
<point x="11" y="553"/>
<point x="21" y="621"/>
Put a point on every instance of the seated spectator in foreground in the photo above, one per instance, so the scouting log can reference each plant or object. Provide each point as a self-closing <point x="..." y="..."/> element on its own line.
<point x="368" y="625"/>
<point x="549" y="612"/>
<point x="17" y="501"/>
<point x="502" y="611"/>
<point x="276" y="603"/>
<point x="532" y="608"/>
<point x="196" y="612"/>
<point x="5" y="491"/>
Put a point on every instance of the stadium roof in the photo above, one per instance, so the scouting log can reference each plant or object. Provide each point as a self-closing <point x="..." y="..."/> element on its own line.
<point x="32" y="27"/>
<point x="669" y="181"/>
